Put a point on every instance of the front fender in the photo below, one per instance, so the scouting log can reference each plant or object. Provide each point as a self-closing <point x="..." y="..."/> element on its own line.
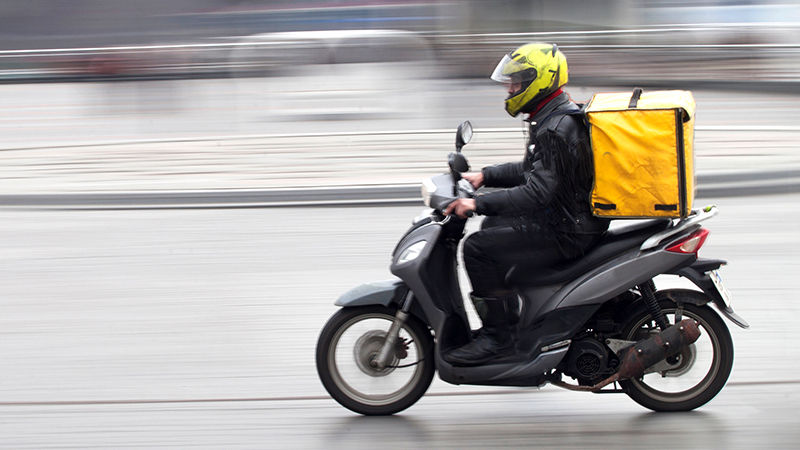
<point x="383" y="293"/>
<point x="374" y="293"/>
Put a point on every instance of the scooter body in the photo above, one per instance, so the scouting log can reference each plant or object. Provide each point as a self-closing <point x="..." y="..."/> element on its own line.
<point x="563" y="308"/>
<point x="553" y="310"/>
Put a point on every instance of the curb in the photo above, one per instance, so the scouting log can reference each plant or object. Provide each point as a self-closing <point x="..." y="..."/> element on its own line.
<point x="710" y="186"/>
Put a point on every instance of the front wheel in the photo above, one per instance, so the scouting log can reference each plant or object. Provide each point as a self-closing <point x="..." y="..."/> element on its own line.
<point x="347" y="348"/>
<point x="693" y="377"/>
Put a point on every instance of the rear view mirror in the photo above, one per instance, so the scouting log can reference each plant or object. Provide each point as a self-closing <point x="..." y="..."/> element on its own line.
<point x="463" y="135"/>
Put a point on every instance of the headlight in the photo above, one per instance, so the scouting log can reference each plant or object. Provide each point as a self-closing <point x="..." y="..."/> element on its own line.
<point x="428" y="188"/>
<point x="411" y="253"/>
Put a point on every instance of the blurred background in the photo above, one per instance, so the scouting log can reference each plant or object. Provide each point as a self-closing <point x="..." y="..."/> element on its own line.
<point x="112" y="71"/>
<point x="187" y="185"/>
<point x="616" y="39"/>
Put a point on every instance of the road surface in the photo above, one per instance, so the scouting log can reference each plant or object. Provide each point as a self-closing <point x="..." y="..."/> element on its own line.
<point x="196" y="328"/>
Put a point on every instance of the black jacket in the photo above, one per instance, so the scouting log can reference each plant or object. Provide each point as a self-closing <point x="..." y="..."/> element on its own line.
<point x="552" y="185"/>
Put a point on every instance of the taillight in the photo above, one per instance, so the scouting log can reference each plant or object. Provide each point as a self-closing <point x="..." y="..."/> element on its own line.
<point x="690" y="244"/>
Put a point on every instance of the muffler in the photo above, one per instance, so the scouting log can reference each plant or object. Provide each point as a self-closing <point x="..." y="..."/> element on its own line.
<point x="647" y="353"/>
<point x="663" y="345"/>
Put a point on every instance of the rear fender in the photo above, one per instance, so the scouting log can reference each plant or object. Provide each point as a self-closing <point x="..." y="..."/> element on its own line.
<point x="697" y="274"/>
<point x="677" y="296"/>
<point x="686" y="296"/>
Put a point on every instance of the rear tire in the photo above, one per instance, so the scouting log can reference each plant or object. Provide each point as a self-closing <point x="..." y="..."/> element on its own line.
<point x="698" y="374"/>
<point x="347" y="345"/>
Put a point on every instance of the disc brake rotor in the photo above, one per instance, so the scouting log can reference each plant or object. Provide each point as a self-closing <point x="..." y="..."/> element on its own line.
<point x="367" y="348"/>
<point x="684" y="363"/>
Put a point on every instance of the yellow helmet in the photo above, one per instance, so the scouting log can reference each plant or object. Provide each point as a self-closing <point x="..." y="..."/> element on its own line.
<point x="540" y="68"/>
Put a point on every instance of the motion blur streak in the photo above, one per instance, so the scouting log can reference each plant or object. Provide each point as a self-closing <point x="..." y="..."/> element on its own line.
<point x="127" y="326"/>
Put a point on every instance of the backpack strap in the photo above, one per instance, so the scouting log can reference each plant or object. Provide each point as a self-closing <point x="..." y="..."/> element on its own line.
<point x="577" y="110"/>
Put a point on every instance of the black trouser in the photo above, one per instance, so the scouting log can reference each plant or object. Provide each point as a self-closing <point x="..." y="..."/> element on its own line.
<point x="505" y="242"/>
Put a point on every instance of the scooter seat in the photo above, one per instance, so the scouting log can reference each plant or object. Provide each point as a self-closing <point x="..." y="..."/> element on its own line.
<point x="613" y="242"/>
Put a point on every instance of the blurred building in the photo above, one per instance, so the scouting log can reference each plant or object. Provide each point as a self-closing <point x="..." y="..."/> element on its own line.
<point x="26" y="24"/>
<point x="606" y="39"/>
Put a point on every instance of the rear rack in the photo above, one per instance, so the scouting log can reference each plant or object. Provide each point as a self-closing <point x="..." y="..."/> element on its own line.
<point x="690" y="223"/>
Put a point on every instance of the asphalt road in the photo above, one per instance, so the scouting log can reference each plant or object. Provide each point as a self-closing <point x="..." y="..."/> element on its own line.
<point x="196" y="328"/>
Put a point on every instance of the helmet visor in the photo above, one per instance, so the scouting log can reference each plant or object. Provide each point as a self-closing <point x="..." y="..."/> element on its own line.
<point x="510" y="71"/>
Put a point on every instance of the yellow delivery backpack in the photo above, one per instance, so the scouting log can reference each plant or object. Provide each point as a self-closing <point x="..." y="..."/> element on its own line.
<point x="643" y="153"/>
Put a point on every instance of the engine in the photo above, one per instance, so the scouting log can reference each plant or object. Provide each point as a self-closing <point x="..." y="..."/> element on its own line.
<point x="588" y="361"/>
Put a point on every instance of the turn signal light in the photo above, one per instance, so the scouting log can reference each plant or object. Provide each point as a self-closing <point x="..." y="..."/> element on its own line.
<point x="691" y="244"/>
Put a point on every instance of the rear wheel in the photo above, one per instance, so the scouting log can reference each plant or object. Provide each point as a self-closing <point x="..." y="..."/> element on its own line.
<point x="692" y="378"/>
<point x="346" y="352"/>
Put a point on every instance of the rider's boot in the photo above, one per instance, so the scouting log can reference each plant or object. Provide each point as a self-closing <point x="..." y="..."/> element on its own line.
<point x="496" y="339"/>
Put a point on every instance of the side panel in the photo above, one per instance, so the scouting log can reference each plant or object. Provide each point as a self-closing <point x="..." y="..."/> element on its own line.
<point x="614" y="277"/>
<point x="553" y="327"/>
<point x="534" y="299"/>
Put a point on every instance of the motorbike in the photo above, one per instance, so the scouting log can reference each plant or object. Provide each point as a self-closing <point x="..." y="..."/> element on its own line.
<point x="598" y="320"/>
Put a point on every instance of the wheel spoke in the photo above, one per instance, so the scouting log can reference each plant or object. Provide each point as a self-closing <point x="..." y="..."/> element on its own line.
<point x="357" y="345"/>
<point x="347" y="350"/>
<point x="698" y="372"/>
<point x="688" y="373"/>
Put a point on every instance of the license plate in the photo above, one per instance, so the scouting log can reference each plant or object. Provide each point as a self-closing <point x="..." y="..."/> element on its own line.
<point x="716" y="278"/>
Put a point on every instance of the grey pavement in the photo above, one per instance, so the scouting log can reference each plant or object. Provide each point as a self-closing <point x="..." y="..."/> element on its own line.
<point x="741" y="417"/>
<point x="217" y="142"/>
<point x="197" y="328"/>
<point x="299" y="169"/>
<point x="186" y="304"/>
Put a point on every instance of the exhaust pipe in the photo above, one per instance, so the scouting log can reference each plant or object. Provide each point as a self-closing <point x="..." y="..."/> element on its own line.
<point x="668" y="343"/>
<point x="647" y="353"/>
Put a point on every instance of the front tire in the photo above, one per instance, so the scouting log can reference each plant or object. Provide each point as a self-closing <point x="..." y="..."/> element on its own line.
<point x="348" y="344"/>
<point x="694" y="377"/>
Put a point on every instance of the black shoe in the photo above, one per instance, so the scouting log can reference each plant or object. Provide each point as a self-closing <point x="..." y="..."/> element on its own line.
<point x="491" y="343"/>
<point x="496" y="338"/>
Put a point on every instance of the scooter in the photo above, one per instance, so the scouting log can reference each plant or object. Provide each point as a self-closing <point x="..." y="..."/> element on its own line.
<point x="598" y="320"/>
